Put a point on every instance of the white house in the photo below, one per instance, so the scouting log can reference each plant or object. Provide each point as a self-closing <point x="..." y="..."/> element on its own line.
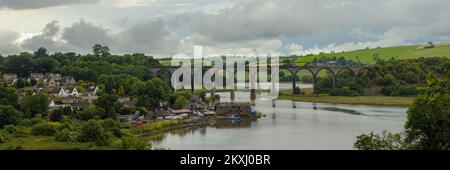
<point x="63" y="93"/>
<point x="72" y="91"/>
<point x="91" y="91"/>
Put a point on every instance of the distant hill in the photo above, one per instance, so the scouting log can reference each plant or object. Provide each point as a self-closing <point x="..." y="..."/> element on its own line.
<point x="401" y="52"/>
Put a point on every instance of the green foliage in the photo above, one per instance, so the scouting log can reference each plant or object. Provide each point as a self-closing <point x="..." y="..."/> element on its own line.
<point x="92" y="131"/>
<point x="428" y="122"/>
<point x="180" y="103"/>
<point x="66" y="135"/>
<point x="22" y="64"/>
<point x="9" y="115"/>
<point x="40" y="52"/>
<point x="44" y="129"/>
<point x="386" y="141"/>
<point x="112" y="126"/>
<point x="8" y="96"/>
<point x="427" y="126"/>
<point x="110" y="104"/>
<point x="297" y="91"/>
<point x="374" y="55"/>
<point x="56" y="115"/>
<point x="2" y="139"/>
<point x="34" y="104"/>
<point x="133" y="143"/>
<point x="343" y="91"/>
<point x="90" y="112"/>
<point x="10" y="129"/>
<point x="121" y="91"/>
<point x="100" y="51"/>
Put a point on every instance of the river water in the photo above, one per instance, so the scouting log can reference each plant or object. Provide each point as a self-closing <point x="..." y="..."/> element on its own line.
<point x="289" y="125"/>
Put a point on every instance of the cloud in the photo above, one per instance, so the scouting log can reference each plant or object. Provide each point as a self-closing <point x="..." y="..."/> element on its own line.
<point x="35" y="4"/>
<point x="83" y="35"/>
<point x="8" y="40"/>
<point x="163" y="27"/>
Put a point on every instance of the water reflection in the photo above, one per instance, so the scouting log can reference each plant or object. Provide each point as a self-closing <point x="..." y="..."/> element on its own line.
<point x="226" y="123"/>
<point x="305" y="126"/>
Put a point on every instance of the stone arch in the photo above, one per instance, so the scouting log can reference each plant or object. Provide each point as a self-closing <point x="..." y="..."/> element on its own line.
<point x="309" y="71"/>
<point x="318" y="70"/>
<point x="360" y="70"/>
<point x="350" y="70"/>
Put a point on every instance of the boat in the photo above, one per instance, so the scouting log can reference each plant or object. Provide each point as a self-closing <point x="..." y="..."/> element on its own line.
<point x="233" y="117"/>
<point x="209" y="113"/>
<point x="198" y="113"/>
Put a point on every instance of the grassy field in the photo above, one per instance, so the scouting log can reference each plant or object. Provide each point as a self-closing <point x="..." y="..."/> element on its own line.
<point x="401" y="52"/>
<point x="44" y="143"/>
<point x="365" y="100"/>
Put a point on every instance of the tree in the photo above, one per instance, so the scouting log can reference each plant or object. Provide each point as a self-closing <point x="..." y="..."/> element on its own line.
<point x="9" y="115"/>
<point x="428" y="122"/>
<point x="92" y="131"/>
<point x="22" y="64"/>
<point x="8" y="96"/>
<point x="121" y="91"/>
<point x="46" y="65"/>
<point x="110" y="104"/>
<point x="181" y="102"/>
<point x="91" y="112"/>
<point x="34" y="104"/>
<point x="20" y="84"/>
<point x="386" y="141"/>
<point x="41" y="52"/>
<point x="427" y="126"/>
<point x="101" y="51"/>
<point x="43" y="129"/>
<point x="56" y="115"/>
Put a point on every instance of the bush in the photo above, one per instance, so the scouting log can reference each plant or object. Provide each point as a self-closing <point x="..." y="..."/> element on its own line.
<point x="65" y="135"/>
<point x="21" y="131"/>
<point x="92" y="131"/>
<point x="297" y="91"/>
<point x="43" y="129"/>
<point x="112" y="126"/>
<point x="11" y="129"/>
<point x="385" y="141"/>
<point x="90" y="113"/>
<point x="344" y="91"/>
<point x="133" y="143"/>
<point x="9" y="115"/>
<point x="399" y="90"/>
<point x="56" y="116"/>
<point x="2" y="139"/>
<point x="67" y="125"/>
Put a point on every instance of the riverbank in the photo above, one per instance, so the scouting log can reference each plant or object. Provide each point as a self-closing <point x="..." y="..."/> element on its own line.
<point x="362" y="100"/>
<point x="166" y="126"/>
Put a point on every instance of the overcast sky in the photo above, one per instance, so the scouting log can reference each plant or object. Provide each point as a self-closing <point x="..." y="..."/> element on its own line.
<point x="167" y="27"/>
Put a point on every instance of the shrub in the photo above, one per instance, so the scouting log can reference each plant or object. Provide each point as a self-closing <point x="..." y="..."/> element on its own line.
<point x="92" y="131"/>
<point x="297" y="91"/>
<point x="65" y="135"/>
<point x="133" y="143"/>
<point x="67" y="125"/>
<point x="11" y="129"/>
<point x="56" y="116"/>
<point x="385" y="141"/>
<point x="344" y="91"/>
<point x="2" y="139"/>
<point x="21" y="131"/>
<point x="43" y="129"/>
<point x="9" y="115"/>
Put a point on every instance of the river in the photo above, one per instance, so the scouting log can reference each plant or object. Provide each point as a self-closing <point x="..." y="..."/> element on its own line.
<point x="291" y="125"/>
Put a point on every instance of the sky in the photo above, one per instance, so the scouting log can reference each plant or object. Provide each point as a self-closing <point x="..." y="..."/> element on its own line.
<point x="169" y="27"/>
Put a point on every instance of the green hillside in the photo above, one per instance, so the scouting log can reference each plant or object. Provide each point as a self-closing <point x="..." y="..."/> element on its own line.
<point x="402" y="52"/>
